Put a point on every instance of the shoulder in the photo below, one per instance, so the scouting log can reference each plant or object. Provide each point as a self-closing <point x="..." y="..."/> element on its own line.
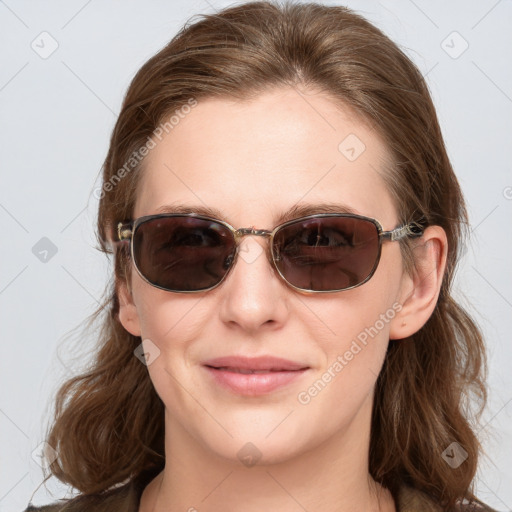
<point x="46" y="508"/>
<point x="125" y="498"/>
<point x="414" y="500"/>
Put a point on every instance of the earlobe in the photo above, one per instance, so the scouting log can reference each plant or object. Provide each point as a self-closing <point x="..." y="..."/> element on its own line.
<point x="128" y="315"/>
<point x="420" y="290"/>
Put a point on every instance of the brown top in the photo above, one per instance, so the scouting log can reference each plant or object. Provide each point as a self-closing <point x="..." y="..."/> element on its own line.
<point x="126" y="498"/>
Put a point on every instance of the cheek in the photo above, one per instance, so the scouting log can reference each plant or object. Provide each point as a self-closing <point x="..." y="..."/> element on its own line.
<point x="170" y="323"/>
<point x="362" y="314"/>
<point x="161" y="313"/>
<point x="356" y="324"/>
<point x="359" y="327"/>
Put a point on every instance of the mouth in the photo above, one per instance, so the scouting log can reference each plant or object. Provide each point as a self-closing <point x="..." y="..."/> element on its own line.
<point x="253" y="376"/>
<point x="248" y="371"/>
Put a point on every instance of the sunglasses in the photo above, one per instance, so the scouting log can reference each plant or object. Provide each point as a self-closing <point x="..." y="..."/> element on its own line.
<point x="324" y="252"/>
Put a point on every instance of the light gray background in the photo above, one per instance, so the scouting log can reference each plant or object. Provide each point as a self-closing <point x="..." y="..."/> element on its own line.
<point x="56" y="117"/>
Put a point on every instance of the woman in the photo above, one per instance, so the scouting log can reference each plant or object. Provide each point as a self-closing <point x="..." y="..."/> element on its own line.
<point x="280" y="333"/>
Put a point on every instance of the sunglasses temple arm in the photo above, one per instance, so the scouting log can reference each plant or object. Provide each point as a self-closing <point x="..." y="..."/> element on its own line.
<point x="124" y="231"/>
<point x="412" y="230"/>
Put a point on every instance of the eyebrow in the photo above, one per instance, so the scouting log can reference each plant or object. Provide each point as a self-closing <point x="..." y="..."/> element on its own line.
<point x="294" y="212"/>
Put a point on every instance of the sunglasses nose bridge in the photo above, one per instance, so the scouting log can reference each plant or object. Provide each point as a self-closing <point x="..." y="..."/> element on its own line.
<point x="241" y="232"/>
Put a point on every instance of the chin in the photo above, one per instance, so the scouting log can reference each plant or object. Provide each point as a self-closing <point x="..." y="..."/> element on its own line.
<point x="258" y="452"/>
<point x="261" y="444"/>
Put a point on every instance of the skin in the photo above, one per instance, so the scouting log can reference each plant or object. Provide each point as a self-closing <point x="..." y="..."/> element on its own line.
<point x="254" y="160"/>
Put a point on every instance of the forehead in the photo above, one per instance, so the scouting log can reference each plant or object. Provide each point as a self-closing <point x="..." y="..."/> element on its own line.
<point x="253" y="160"/>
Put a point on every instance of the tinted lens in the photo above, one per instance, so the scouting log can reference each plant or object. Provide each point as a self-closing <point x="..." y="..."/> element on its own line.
<point x="327" y="253"/>
<point x="183" y="253"/>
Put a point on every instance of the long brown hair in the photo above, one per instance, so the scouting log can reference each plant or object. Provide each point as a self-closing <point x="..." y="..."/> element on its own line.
<point x="109" y="422"/>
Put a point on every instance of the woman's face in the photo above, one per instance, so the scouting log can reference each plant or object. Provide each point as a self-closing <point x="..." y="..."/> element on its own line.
<point x="253" y="161"/>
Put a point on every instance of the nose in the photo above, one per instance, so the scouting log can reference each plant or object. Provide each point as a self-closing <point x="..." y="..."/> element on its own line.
<point x="253" y="295"/>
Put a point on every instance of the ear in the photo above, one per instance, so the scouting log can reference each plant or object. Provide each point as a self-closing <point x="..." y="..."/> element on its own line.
<point x="419" y="291"/>
<point x="128" y="315"/>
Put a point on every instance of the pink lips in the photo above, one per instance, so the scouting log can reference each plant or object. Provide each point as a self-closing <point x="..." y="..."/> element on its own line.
<point x="253" y="376"/>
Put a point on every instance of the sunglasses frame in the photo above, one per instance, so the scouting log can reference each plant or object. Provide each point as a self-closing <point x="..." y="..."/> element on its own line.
<point x="126" y="231"/>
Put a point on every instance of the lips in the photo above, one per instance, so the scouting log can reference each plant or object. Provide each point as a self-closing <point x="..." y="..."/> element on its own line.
<point x="262" y="364"/>
<point x="253" y="376"/>
<point x="245" y="371"/>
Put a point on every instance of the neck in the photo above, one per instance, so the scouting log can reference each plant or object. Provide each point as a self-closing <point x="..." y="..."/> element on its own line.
<point x="332" y="477"/>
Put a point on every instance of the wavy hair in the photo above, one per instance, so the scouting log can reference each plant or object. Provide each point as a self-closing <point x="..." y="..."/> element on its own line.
<point x="108" y="423"/>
